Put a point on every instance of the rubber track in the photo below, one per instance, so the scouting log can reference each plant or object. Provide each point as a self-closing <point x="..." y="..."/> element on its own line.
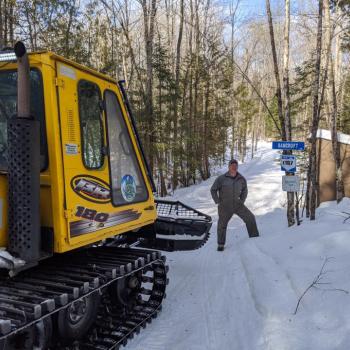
<point x="25" y="300"/>
<point x="172" y="245"/>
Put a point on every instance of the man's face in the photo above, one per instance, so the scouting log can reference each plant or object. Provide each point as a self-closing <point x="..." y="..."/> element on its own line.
<point x="233" y="167"/>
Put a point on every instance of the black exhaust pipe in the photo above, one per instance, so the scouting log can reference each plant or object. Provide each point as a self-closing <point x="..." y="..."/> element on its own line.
<point x="23" y="134"/>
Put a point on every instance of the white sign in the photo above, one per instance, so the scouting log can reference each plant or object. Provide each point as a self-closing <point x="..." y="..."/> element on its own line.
<point x="71" y="148"/>
<point x="290" y="183"/>
<point x="288" y="163"/>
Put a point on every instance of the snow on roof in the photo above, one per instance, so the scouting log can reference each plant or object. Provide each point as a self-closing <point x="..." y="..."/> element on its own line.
<point x="326" y="134"/>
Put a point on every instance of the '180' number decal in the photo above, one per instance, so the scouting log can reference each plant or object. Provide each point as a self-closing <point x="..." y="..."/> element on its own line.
<point x="91" y="214"/>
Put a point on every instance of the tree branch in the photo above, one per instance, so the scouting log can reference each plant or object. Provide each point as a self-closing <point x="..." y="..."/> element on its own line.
<point x="317" y="282"/>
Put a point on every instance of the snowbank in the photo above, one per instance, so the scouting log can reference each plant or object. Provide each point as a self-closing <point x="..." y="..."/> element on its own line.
<point x="245" y="297"/>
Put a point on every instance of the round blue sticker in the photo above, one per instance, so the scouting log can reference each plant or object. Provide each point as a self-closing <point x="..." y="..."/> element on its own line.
<point x="128" y="188"/>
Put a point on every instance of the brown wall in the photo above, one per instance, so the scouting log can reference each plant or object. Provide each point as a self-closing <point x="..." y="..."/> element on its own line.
<point x="326" y="170"/>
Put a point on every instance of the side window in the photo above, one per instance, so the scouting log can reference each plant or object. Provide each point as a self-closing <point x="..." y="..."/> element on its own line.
<point x="91" y="124"/>
<point x="127" y="182"/>
<point x="8" y="107"/>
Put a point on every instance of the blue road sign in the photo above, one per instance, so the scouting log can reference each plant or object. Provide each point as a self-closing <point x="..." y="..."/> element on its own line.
<point x="288" y="145"/>
<point x="288" y="163"/>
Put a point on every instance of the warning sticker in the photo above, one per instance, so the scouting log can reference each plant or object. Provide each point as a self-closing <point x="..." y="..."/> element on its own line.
<point x="71" y="148"/>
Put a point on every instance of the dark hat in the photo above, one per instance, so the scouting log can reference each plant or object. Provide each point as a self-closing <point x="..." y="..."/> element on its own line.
<point x="233" y="161"/>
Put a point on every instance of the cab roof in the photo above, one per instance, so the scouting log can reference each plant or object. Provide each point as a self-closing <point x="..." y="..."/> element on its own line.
<point x="69" y="62"/>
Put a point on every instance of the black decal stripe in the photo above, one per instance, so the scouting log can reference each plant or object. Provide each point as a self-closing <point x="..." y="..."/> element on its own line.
<point x="81" y="224"/>
<point x="82" y="227"/>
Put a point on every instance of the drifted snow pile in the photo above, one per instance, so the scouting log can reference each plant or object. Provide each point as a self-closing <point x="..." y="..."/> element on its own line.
<point x="9" y="262"/>
<point x="245" y="297"/>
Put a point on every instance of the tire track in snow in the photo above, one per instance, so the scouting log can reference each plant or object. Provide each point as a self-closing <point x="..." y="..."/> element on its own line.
<point x="270" y="287"/>
<point x="291" y="282"/>
<point x="207" y="300"/>
<point x="273" y="296"/>
<point x="222" y="299"/>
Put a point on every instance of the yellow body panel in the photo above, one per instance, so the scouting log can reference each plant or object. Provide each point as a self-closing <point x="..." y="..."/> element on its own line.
<point x="61" y="204"/>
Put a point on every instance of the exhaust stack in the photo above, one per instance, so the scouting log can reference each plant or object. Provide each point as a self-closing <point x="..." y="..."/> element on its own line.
<point x="23" y="134"/>
<point x="23" y="83"/>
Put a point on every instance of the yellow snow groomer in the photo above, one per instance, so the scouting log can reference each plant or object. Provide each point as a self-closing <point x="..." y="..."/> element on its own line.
<point x="78" y="217"/>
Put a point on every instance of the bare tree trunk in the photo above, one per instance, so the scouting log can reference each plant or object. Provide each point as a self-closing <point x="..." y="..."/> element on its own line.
<point x="68" y="30"/>
<point x="333" y="106"/>
<point x="194" y="130"/>
<point x="283" y="109"/>
<point x="2" y="43"/>
<point x="315" y="116"/>
<point x="5" y="22"/>
<point x="11" y="24"/>
<point x="190" y="146"/>
<point x="205" y="156"/>
<point x="286" y="95"/>
<point x="288" y="123"/>
<point x="125" y="28"/>
<point x="338" y="61"/>
<point x="276" y="71"/>
<point x="335" y="144"/>
<point x="233" y="113"/>
<point x="176" y="96"/>
<point x="149" y="13"/>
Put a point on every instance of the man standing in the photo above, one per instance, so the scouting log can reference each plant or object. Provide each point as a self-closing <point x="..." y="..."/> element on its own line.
<point x="230" y="191"/>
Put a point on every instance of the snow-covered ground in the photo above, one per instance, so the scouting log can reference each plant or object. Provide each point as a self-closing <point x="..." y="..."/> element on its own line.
<point x="245" y="297"/>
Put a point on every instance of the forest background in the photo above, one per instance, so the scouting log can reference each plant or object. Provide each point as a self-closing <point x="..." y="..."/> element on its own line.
<point x="204" y="76"/>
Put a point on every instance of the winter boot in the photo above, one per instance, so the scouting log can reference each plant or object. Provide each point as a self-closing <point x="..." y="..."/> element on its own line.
<point x="220" y="248"/>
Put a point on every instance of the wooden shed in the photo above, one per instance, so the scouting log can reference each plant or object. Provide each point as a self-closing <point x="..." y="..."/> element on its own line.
<point x="326" y="165"/>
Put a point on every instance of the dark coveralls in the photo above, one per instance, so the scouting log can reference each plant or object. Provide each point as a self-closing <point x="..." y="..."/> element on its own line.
<point x="230" y="193"/>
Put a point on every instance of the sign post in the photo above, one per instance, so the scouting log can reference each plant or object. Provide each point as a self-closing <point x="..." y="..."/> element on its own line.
<point x="290" y="182"/>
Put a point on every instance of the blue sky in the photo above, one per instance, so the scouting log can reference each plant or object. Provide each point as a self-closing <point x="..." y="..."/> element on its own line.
<point x="254" y="8"/>
<point x="248" y="7"/>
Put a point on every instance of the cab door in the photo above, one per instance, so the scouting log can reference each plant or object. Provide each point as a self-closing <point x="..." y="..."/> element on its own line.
<point x="106" y="188"/>
<point x="85" y="165"/>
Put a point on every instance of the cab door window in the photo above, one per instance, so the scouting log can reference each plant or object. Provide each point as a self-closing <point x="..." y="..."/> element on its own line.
<point x="127" y="182"/>
<point x="92" y="136"/>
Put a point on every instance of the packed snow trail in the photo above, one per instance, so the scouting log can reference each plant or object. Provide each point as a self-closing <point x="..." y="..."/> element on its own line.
<point x="244" y="297"/>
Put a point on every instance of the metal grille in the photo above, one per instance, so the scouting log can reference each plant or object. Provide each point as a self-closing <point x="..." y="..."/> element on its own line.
<point x="178" y="209"/>
<point x="24" y="187"/>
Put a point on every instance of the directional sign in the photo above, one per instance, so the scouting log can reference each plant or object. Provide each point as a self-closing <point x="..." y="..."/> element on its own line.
<point x="288" y="145"/>
<point x="288" y="163"/>
<point x="290" y="183"/>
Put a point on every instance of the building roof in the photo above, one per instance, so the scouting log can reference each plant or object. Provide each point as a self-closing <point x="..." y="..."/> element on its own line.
<point x="326" y="135"/>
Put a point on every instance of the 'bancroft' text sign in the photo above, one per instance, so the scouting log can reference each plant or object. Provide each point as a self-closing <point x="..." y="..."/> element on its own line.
<point x="288" y="145"/>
